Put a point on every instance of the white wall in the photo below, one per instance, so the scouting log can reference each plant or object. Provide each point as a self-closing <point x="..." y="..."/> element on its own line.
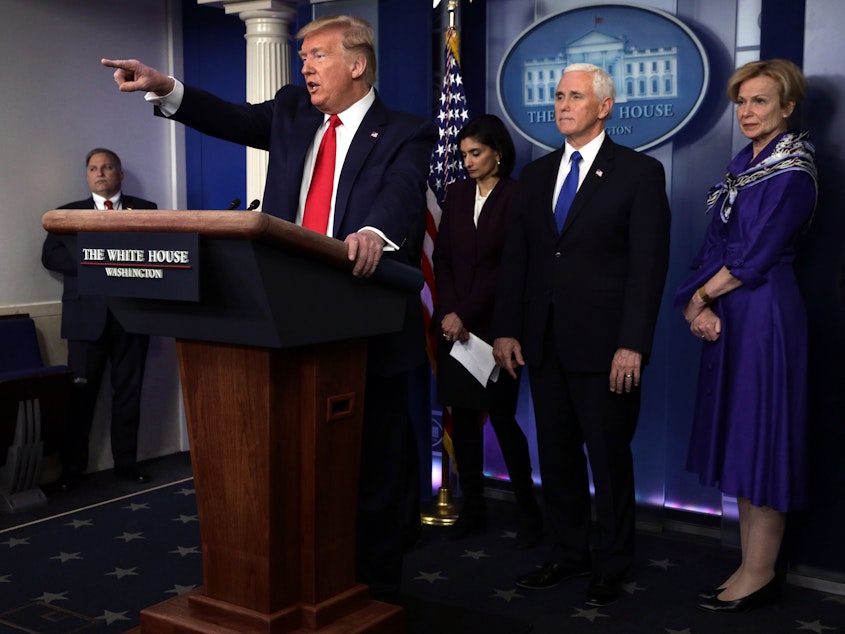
<point x="59" y="102"/>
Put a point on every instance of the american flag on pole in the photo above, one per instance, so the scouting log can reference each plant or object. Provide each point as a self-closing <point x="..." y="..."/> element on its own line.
<point x="446" y="168"/>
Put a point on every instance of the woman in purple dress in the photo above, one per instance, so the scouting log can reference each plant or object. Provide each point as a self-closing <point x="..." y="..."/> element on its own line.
<point x="742" y="299"/>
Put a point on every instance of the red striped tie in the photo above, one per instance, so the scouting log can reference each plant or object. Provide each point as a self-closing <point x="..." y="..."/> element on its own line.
<point x="108" y="204"/>
<point x="319" y="199"/>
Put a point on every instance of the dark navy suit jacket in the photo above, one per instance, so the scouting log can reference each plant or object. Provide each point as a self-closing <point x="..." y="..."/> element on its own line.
<point x="381" y="185"/>
<point x="83" y="316"/>
<point x="604" y="273"/>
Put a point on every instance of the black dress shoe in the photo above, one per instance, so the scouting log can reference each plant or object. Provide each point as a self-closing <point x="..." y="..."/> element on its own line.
<point x="604" y="590"/>
<point x="130" y="474"/>
<point x="471" y="521"/>
<point x="768" y="594"/>
<point x="68" y="482"/>
<point x="551" y="574"/>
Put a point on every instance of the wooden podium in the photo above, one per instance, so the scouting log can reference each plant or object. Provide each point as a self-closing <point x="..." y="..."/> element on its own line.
<point x="272" y="361"/>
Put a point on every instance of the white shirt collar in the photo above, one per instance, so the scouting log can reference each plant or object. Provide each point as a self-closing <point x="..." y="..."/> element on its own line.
<point x="588" y="152"/>
<point x="352" y="117"/>
<point x="100" y="201"/>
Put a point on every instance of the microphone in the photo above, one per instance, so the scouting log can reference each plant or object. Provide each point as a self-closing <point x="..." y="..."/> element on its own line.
<point x="253" y="205"/>
<point x="235" y="202"/>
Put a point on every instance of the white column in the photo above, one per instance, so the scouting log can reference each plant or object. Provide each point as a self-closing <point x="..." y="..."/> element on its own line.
<point x="267" y="66"/>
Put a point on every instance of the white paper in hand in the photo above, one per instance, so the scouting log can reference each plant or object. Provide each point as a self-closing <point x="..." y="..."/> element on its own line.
<point x="476" y="355"/>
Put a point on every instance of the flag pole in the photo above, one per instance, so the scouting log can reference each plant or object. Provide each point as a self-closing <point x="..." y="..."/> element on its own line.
<point x="444" y="511"/>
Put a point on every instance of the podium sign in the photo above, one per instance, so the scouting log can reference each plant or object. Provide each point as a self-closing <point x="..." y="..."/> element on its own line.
<point x="148" y="265"/>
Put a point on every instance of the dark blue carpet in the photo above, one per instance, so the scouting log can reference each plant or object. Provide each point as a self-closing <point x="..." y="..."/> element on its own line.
<point x="94" y="567"/>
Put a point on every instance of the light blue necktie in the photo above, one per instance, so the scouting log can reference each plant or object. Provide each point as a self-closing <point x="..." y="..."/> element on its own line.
<point x="567" y="191"/>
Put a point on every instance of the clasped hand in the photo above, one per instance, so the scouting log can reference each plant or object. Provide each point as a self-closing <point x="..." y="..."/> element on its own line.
<point x="707" y="325"/>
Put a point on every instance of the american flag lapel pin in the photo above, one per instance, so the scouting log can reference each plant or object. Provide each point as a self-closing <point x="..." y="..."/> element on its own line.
<point x="599" y="173"/>
<point x="374" y="134"/>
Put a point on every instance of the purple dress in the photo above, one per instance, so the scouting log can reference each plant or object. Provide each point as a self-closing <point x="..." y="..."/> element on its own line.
<point x="749" y="427"/>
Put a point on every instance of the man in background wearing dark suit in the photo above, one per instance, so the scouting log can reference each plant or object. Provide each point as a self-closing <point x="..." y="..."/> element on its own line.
<point x="95" y="338"/>
<point x="577" y="302"/>
<point x="375" y="203"/>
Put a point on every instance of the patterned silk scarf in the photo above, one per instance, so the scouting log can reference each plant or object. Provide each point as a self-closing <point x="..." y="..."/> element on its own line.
<point x="793" y="152"/>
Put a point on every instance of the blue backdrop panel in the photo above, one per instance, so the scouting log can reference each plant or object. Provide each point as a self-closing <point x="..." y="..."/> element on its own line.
<point x="215" y="59"/>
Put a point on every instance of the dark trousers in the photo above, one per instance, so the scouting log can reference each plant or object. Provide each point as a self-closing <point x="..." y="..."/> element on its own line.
<point x="468" y="442"/>
<point x="574" y="410"/>
<point x="127" y="354"/>
<point x="388" y="473"/>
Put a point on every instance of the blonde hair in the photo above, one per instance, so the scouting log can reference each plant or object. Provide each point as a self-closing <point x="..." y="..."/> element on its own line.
<point x="358" y="39"/>
<point x="792" y="86"/>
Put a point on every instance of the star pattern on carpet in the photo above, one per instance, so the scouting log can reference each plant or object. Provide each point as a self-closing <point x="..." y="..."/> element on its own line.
<point x="14" y="541"/>
<point x="431" y="577"/>
<point x="476" y="574"/>
<point x="120" y="573"/>
<point x="591" y="615"/>
<point x="664" y="564"/>
<point x="507" y="595"/>
<point x="813" y="626"/>
<point x="49" y="597"/>
<point x="185" y="519"/>
<point x="631" y="587"/>
<point x="111" y="617"/>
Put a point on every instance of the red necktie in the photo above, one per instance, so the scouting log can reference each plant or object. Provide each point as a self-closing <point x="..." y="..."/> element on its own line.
<point x="108" y="204"/>
<point x="319" y="199"/>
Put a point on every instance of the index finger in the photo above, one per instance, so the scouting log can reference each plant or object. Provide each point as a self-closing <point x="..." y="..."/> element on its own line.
<point x="115" y="63"/>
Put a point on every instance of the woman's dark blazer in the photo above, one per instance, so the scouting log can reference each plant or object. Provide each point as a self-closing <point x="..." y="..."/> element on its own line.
<point x="466" y="258"/>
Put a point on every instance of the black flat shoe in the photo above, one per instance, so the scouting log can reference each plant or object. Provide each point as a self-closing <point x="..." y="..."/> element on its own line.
<point x="702" y="596"/>
<point x="552" y="574"/>
<point x="130" y="474"/>
<point x="768" y="594"/>
<point x="604" y="590"/>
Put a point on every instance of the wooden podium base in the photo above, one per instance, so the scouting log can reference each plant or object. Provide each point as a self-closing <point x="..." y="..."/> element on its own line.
<point x="352" y="613"/>
<point x="274" y="444"/>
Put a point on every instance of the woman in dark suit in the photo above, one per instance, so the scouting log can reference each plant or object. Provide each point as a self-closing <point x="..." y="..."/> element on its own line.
<point x="467" y="256"/>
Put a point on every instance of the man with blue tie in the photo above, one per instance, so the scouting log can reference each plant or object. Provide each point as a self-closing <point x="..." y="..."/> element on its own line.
<point x="342" y="164"/>
<point x="587" y="254"/>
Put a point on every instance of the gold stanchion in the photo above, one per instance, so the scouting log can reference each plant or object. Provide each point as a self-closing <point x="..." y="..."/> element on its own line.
<point x="443" y="512"/>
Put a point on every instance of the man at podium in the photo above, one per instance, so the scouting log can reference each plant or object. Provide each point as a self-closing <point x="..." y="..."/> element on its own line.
<point x="342" y="164"/>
